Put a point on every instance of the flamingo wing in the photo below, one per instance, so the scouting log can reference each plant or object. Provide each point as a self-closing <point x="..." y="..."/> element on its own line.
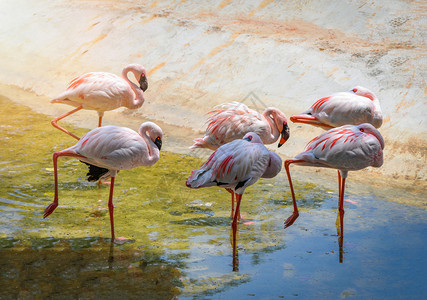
<point x="236" y="164"/>
<point x="347" y="147"/>
<point x="111" y="147"/>
<point x="337" y="110"/>
<point x="343" y="108"/>
<point x="232" y="121"/>
<point x="99" y="91"/>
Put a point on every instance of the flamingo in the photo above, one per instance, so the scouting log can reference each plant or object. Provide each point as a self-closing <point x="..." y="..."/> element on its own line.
<point x="102" y="91"/>
<point x="108" y="149"/>
<point x="236" y="166"/>
<point x="345" y="148"/>
<point x="358" y="106"/>
<point x="233" y="120"/>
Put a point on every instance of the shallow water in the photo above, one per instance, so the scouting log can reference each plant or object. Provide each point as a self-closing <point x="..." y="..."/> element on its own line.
<point x="181" y="238"/>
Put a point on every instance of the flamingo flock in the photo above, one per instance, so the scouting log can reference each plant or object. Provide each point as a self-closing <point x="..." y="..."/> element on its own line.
<point x="236" y="134"/>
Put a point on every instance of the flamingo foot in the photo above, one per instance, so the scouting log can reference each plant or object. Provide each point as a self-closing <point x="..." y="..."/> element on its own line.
<point x="50" y="209"/>
<point x="289" y="221"/>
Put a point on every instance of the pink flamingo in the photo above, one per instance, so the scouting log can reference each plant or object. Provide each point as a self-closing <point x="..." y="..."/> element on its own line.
<point x="102" y="91"/>
<point x="358" y="106"/>
<point x="346" y="148"/>
<point x="108" y="149"/>
<point x="235" y="166"/>
<point x="233" y="120"/>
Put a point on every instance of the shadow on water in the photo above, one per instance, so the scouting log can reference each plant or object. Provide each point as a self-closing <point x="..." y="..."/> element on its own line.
<point x="84" y="268"/>
<point x="182" y="238"/>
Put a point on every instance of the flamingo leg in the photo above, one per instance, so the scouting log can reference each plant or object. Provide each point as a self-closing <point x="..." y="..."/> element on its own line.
<point x="341" y="206"/>
<point x="54" y="122"/>
<point x="337" y="223"/>
<point x="54" y="204"/>
<point x="289" y="221"/>
<point x="111" y="209"/>
<point x="99" y="121"/>
<point x="232" y="203"/>
<point x="234" y="224"/>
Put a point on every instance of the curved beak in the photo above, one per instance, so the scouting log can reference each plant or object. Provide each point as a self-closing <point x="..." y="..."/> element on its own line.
<point x="158" y="143"/>
<point x="285" y="134"/>
<point x="143" y="83"/>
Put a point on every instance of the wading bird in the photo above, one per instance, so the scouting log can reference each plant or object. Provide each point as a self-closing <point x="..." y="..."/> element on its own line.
<point x="346" y="148"/>
<point x="102" y="91"/>
<point x="232" y="121"/>
<point x="108" y="149"/>
<point x="355" y="107"/>
<point x="236" y="166"/>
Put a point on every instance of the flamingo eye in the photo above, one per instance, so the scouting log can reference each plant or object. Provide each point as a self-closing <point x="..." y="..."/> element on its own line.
<point x="354" y="90"/>
<point x="362" y="130"/>
<point x="248" y="138"/>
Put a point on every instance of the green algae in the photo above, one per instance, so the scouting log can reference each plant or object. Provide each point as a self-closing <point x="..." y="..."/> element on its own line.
<point x="153" y="207"/>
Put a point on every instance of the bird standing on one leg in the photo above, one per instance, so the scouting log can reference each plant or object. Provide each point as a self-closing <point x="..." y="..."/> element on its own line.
<point x="232" y="121"/>
<point x="236" y="166"/>
<point x="109" y="149"/>
<point x="346" y="148"/>
<point x="102" y="91"/>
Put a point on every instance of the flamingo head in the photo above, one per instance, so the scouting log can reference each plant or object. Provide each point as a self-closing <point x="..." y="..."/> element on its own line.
<point x="143" y="83"/>
<point x="153" y="131"/>
<point x="370" y="129"/>
<point x="252" y="137"/>
<point x="281" y="122"/>
<point x="140" y="75"/>
<point x="364" y="92"/>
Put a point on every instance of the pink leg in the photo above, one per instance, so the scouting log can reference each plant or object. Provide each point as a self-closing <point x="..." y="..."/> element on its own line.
<point x="341" y="206"/>
<point x="234" y="224"/>
<point x="54" y="204"/>
<point x="337" y="222"/>
<point x="289" y="221"/>
<point x="111" y="209"/>
<point x="54" y="122"/>
<point x="99" y="121"/>
<point x="232" y="203"/>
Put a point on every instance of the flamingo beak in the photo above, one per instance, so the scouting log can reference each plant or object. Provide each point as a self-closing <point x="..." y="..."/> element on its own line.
<point x="285" y="134"/>
<point x="143" y="83"/>
<point x="158" y="143"/>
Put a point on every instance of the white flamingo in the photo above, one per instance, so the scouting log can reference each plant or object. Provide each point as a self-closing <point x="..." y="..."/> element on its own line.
<point x="236" y="166"/>
<point x="233" y="120"/>
<point x="102" y="91"/>
<point x="346" y="148"/>
<point x="109" y="149"/>
<point x="355" y="107"/>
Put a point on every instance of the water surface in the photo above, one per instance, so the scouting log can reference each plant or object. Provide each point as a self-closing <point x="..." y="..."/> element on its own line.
<point x="181" y="238"/>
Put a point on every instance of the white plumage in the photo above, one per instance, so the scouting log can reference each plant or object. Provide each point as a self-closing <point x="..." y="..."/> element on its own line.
<point x="235" y="166"/>
<point x="355" y="107"/>
<point x="109" y="149"/>
<point x="346" y="148"/>
<point x="233" y="120"/>
<point x="102" y="91"/>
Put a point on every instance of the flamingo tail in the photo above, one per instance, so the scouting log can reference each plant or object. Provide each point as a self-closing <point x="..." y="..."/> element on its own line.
<point x="96" y="173"/>
<point x="200" y="143"/>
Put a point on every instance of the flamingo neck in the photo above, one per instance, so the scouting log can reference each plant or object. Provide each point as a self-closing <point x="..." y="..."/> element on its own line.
<point x="274" y="130"/>
<point x="138" y="100"/>
<point x="153" y="151"/>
